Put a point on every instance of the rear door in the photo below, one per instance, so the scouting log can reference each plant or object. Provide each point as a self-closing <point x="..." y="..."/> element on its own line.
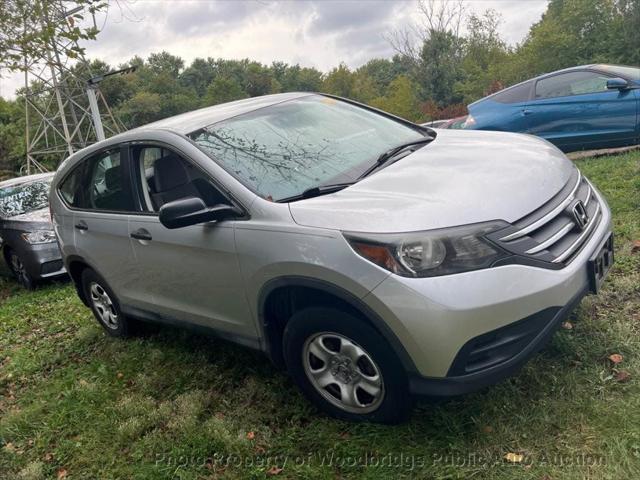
<point x="575" y="110"/>
<point x="102" y="202"/>
<point x="192" y="273"/>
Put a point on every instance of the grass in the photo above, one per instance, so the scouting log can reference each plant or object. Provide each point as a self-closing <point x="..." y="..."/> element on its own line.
<point x="77" y="404"/>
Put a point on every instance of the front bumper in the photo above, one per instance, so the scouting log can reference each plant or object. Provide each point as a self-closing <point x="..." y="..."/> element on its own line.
<point x="527" y="336"/>
<point x="42" y="261"/>
<point x="444" y="322"/>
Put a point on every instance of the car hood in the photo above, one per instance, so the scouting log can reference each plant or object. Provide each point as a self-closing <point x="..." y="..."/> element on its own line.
<point x="462" y="177"/>
<point x="41" y="216"/>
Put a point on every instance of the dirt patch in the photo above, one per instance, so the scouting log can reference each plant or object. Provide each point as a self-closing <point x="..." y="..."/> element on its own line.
<point x="601" y="153"/>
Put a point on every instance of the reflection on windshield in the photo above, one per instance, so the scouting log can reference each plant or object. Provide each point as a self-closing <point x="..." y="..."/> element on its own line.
<point x="23" y="198"/>
<point x="282" y="150"/>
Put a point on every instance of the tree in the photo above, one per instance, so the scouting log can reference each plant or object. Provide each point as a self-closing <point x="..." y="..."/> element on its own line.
<point x="484" y="54"/>
<point x="400" y="99"/>
<point x="433" y="48"/>
<point x="11" y="136"/>
<point x="339" y="81"/>
<point x="198" y="75"/>
<point x="28" y="28"/>
<point x="165" y="63"/>
<point x="142" y="108"/>
<point x="223" y="89"/>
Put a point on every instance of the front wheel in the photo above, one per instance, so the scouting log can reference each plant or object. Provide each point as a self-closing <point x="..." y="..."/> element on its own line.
<point x="344" y="366"/>
<point x="20" y="271"/>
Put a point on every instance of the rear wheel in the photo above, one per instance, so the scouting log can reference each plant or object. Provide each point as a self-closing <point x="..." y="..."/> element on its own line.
<point x="20" y="271"/>
<point x="105" y="305"/>
<point x="345" y="366"/>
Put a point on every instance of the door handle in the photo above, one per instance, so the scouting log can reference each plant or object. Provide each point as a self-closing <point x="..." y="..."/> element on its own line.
<point x="81" y="225"/>
<point x="526" y="111"/>
<point x="141" y="234"/>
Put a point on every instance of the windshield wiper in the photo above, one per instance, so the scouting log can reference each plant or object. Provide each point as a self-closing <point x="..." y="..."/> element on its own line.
<point x="317" y="191"/>
<point x="392" y="152"/>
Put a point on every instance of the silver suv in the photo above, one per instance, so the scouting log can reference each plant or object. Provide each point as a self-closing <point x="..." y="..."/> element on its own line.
<point x="372" y="258"/>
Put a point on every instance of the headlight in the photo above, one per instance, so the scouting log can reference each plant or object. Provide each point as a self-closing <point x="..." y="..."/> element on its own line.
<point x="39" y="236"/>
<point x="431" y="253"/>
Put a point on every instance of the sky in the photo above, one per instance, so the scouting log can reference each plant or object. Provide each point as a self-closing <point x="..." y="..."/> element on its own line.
<point x="314" y="33"/>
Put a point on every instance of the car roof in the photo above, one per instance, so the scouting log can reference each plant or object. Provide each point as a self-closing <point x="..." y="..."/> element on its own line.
<point x="191" y="121"/>
<point x="26" y="179"/>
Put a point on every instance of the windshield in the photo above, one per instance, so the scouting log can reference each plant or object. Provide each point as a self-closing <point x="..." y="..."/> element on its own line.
<point x="284" y="149"/>
<point x="24" y="198"/>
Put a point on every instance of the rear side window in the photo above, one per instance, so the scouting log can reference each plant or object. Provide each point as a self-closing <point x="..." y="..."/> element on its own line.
<point x="515" y="94"/>
<point x="571" y="83"/>
<point x="70" y="189"/>
<point x="99" y="183"/>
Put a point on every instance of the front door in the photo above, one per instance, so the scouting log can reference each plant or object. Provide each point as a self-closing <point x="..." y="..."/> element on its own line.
<point x="574" y="110"/>
<point x="192" y="273"/>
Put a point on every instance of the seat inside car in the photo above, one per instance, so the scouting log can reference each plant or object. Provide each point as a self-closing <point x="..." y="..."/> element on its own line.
<point x="112" y="198"/>
<point x="174" y="179"/>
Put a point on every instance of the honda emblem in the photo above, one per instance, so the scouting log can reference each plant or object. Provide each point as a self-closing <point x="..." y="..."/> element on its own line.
<point x="580" y="215"/>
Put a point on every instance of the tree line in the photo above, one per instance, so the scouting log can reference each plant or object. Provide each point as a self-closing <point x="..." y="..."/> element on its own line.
<point x="444" y="62"/>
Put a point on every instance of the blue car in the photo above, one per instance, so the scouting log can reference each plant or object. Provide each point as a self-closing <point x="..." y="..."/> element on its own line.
<point x="587" y="107"/>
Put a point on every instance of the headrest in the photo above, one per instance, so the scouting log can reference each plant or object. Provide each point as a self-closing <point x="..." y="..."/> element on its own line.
<point x="113" y="178"/>
<point x="169" y="172"/>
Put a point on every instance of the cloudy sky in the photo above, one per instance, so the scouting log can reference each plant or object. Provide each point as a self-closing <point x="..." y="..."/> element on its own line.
<point x="318" y="33"/>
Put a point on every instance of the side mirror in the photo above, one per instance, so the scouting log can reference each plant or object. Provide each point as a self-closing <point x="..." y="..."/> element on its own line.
<point x="617" y="84"/>
<point x="191" y="211"/>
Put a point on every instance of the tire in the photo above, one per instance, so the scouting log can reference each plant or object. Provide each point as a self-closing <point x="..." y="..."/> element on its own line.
<point x="104" y="305"/>
<point x="18" y="269"/>
<point x="360" y="378"/>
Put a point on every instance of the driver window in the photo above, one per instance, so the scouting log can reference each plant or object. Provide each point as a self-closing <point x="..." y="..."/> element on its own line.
<point x="571" y="83"/>
<point x="165" y="177"/>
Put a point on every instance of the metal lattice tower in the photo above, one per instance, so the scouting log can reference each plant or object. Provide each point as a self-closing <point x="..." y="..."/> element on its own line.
<point x="62" y="98"/>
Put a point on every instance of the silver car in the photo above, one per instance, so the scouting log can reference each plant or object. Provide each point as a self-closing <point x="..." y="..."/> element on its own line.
<point x="374" y="259"/>
<point x="28" y="246"/>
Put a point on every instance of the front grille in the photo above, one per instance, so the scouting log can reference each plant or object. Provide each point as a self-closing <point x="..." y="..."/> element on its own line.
<point x="556" y="232"/>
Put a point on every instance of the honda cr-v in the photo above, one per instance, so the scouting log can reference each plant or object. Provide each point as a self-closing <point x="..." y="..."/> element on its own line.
<point x="373" y="258"/>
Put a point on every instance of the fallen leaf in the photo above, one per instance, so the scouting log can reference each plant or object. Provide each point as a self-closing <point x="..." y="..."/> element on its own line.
<point x="622" y="376"/>
<point x="251" y="435"/>
<point x="567" y="325"/>
<point x="488" y="429"/>
<point x="62" y="473"/>
<point x="514" y="457"/>
<point x="10" y="447"/>
<point x="615" y="358"/>
<point x="274" y="470"/>
<point x="636" y="247"/>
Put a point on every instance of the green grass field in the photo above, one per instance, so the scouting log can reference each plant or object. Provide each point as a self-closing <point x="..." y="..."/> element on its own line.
<point x="77" y="404"/>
